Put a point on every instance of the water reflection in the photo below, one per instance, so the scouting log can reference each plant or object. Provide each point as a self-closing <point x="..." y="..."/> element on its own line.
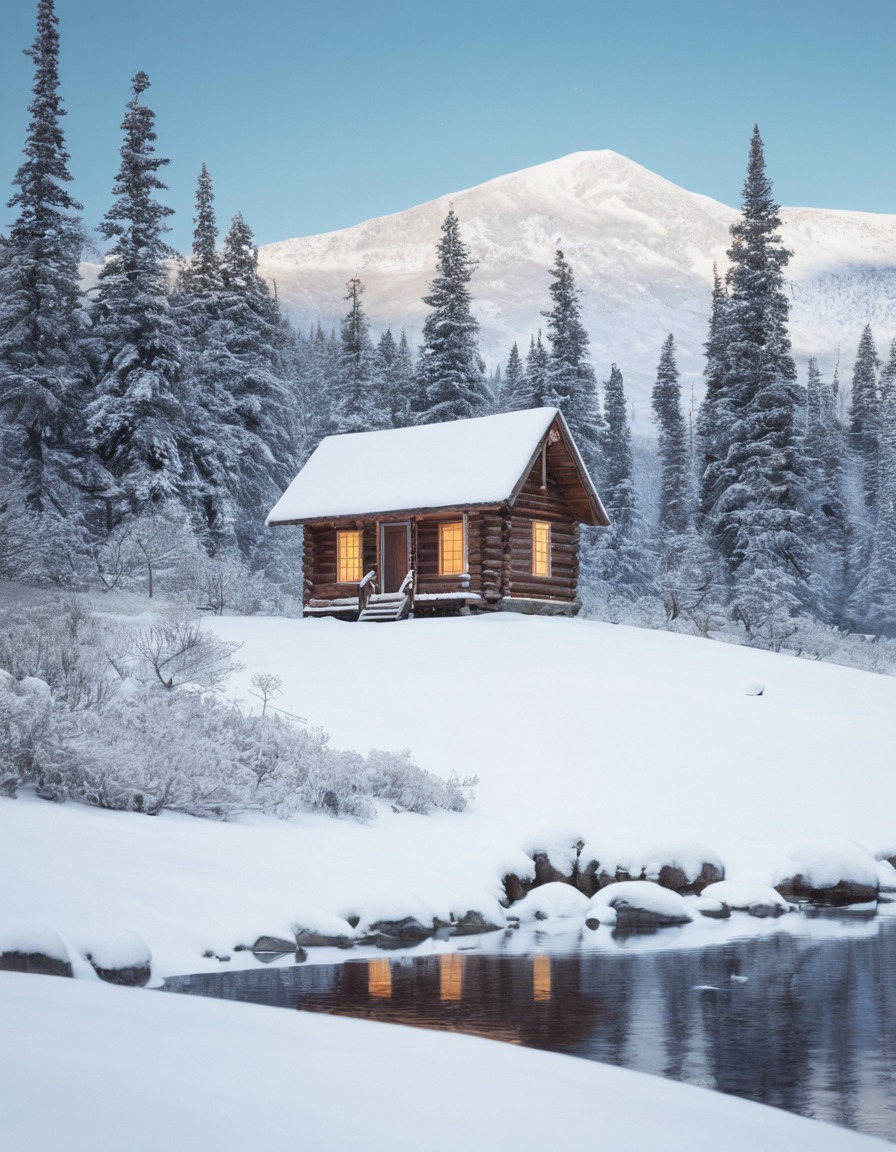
<point x="804" y="1024"/>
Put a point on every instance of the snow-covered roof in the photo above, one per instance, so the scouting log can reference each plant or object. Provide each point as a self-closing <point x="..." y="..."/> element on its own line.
<point x="448" y="465"/>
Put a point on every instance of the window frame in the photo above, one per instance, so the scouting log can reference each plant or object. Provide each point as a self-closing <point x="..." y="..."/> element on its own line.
<point x="462" y="525"/>
<point x="342" y="556"/>
<point x="541" y="528"/>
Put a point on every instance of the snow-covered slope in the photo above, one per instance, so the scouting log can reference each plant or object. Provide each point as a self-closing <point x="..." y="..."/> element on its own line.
<point x="642" y="250"/>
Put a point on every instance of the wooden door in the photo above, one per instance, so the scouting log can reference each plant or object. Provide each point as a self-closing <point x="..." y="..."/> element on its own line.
<point x="395" y="557"/>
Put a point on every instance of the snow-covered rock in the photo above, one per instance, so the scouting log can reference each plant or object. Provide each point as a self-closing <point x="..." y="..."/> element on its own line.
<point x="118" y="957"/>
<point x="641" y="904"/>
<point x="829" y="874"/>
<point x="886" y="876"/>
<point x="746" y="896"/>
<point x="35" y="948"/>
<point x="554" y="901"/>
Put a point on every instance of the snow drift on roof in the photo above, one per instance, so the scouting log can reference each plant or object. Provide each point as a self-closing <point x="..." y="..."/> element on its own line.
<point x="429" y="466"/>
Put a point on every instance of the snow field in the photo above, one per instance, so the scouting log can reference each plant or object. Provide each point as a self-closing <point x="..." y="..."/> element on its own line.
<point x="182" y="1072"/>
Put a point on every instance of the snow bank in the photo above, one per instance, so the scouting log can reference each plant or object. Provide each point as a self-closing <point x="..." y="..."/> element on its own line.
<point x="29" y="938"/>
<point x="220" y="1076"/>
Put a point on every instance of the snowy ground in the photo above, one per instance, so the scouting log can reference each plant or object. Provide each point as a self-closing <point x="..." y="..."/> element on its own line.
<point x="180" y="1072"/>
<point x="644" y="745"/>
<point x="649" y="747"/>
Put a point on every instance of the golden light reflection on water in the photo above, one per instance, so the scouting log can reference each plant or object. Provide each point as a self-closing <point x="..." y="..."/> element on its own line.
<point x="379" y="979"/>
<point x="451" y="976"/>
<point x="541" y="978"/>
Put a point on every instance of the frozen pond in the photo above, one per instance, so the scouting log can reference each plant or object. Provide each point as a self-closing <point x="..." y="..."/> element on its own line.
<point x="800" y="1022"/>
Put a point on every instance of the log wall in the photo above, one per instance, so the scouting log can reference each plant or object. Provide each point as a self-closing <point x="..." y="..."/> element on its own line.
<point x="547" y="504"/>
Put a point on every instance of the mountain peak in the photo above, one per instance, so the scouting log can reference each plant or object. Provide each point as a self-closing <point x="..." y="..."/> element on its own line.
<point x="641" y="248"/>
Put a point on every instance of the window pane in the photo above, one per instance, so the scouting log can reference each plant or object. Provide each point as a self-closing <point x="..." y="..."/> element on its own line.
<point x="541" y="548"/>
<point x="348" y="557"/>
<point x="451" y="548"/>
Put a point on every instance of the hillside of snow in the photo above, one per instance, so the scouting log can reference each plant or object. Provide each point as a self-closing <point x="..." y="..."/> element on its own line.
<point x="647" y="748"/>
<point x="642" y="250"/>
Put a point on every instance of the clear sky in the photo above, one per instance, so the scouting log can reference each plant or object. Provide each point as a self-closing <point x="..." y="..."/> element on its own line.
<point x="314" y="115"/>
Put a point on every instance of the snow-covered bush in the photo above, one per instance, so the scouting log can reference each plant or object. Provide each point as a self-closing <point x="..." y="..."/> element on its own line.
<point x="127" y="718"/>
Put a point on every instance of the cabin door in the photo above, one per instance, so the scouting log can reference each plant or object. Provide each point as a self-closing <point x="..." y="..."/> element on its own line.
<point x="395" y="555"/>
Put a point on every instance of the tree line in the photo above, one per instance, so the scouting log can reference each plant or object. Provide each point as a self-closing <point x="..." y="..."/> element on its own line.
<point x="175" y="402"/>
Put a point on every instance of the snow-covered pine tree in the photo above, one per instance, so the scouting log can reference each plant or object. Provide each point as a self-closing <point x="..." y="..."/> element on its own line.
<point x="394" y="371"/>
<point x="136" y="417"/>
<point x="537" y="371"/>
<point x="42" y="370"/>
<point x="874" y="603"/>
<point x="675" y="483"/>
<point x="757" y="522"/>
<point x="451" y="382"/>
<point x="823" y="453"/>
<point x="864" y="414"/>
<point x="357" y="403"/>
<point x="517" y="391"/>
<point x="208" y="445"/>
<point x="260" y="415"/>
<point x="616" y="555"/>
<point x="714" y="418"/>
<point x="570" y="384"/>
<point x="202" y="276"/>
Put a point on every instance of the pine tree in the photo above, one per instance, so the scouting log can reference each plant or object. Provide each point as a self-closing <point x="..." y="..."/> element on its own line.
<point x="875" y="599"/>
<point x="42" y="372"/>
<point x="864" y="414"/>
<point x="136" y="417"/>
<point x="259" y="412"/>
<point x="673" y="450"/>
<point x="756" y="521"/>
<point x="537" y="371"/>
<point x="570" y="383"/>
<point x="450" y="371"/>
<point x="357" y="407"/>
<point x="823" y="453"/>
<point x="616" y="555"/>
<point x="714" y="419"/>
<point x="517" y="390"/>
<point x="202" y="275"/>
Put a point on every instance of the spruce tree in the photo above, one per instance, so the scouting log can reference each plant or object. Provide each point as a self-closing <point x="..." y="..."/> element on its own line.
<point x="202" y="274"/>
<point x="517" y="390"/>
<point x="357" y="405"/>
<point x="394" y="370"/>
<point x="616" y="555"/>
<point x="824" y="464"/>
<point x="537" y="371"/>
<point x="864" y="414"/>
<point x="136" y="417"/>
<point x="714" y="418"/>
<point x="451" y="380"/>
<point x="756" y="521"/>
<point x="673" y="449"/>
<point x="42" y="372"/>
<point x="874" y="603"/>
<point x="259" y="406"/>
<point x="570" y="384"/>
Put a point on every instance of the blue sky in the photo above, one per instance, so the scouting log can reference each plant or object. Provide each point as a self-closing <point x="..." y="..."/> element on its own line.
<point x="315" y="116"/>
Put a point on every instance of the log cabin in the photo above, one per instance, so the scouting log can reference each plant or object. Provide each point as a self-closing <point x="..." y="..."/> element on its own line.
<point x="437" y="519"/>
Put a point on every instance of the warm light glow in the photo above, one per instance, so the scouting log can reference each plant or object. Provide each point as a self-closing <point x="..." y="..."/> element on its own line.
<point x="349" y="562"/>
<point x="451" y="976"/>
<point x="541" y="978"/>
<point x="541" y="548"/>
<point x="379" y="978"/>
<point x="451" y="548"/>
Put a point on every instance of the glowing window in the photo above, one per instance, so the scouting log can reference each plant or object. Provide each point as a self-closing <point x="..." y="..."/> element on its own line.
<point x="348" y="557"/>
<point x="451" y="548"/>
<point x="541" y="548"/>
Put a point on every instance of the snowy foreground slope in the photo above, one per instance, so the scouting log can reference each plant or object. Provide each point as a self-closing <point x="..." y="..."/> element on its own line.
<point x="642" y="250"/>
<point x="644" y="746"/>
<point x="177" y="1072"/>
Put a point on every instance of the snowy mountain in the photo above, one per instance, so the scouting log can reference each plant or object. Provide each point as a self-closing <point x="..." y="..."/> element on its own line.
<point x="642" y="250"/>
